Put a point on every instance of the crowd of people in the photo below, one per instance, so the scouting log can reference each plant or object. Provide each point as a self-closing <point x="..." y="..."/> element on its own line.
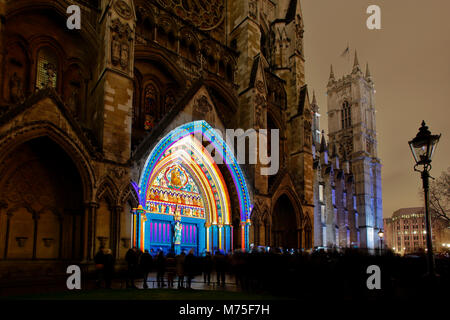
<point x="274" y="271"/>
<point x="168" y="268"/>
<point x="182" y="268"/>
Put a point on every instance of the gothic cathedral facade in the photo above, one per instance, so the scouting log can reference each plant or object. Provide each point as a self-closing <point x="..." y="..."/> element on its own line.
<point x="87" y="117"/>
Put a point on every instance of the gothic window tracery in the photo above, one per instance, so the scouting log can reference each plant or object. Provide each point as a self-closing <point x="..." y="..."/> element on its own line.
<point x="346" y="118"/>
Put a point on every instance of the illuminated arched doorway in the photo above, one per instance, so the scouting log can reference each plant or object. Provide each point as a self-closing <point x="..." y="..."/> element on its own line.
<point x="184" y="200"/>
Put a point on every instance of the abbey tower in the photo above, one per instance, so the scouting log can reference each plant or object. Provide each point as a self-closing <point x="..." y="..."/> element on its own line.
<point x="352" y="132"/>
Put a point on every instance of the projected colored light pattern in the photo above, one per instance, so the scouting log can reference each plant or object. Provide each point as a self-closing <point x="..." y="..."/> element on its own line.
<point x="201" y="166"/>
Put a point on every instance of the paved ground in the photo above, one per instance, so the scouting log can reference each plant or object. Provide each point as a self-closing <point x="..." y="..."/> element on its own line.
<point x="58" y="286"/>
<point x="197" y="283"/>
<point x="139" y="294"/>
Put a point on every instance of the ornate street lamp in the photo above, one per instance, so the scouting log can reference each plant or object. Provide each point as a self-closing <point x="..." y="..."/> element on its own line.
<point x="422" y="148"/>
<point x="381" y="235"/>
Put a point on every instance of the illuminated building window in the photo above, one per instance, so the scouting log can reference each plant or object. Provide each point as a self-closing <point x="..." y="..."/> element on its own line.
<point x="321" y="192"/>
<point x="324" y="236"/>
<point x="322" y="213"/>
<point x="47" y="69"/>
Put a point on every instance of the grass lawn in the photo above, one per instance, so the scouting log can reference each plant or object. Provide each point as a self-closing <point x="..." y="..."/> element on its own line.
<point x="151" y="294"/>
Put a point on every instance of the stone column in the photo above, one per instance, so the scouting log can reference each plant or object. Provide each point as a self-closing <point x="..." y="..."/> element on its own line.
<point x="115" y="230"/>
<point x="88" y="230"/>
<point x="300" y="238"/>
<point x="208" y="244"/>
<point x="3" y="222"/>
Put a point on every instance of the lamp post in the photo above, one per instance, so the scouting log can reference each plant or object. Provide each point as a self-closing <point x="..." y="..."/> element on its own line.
<point x="381" y="235"/>
<point x="422" y="148"/>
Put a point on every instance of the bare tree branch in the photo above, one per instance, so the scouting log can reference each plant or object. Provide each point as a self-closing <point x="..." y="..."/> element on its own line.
<point x="439" y="196"/>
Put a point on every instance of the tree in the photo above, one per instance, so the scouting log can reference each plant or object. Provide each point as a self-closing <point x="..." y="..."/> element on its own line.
<point x="440" y="196"/>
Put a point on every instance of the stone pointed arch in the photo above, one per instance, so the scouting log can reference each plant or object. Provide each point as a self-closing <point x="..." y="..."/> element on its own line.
<point x="153" y="54"/>
<point x="16" y="136"/>
<point x="286" y="187"/>
<point x="59" y="9"/>
<point x="129" y="193"/>
<point x="107" y="189"/>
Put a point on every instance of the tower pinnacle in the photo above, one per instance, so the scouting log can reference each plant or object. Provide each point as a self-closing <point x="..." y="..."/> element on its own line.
<point x="331" y="80"/>
<point x="356" y="67"/>
<point x="323" y="143"/>
<point x="368" y="75"/>
<point x="314" y="100"/>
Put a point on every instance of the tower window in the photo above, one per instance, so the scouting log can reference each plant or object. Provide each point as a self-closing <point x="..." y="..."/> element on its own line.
<point x="321" y="192"/>
<point x="47" y="69"/>
<point x="346" y="115"/>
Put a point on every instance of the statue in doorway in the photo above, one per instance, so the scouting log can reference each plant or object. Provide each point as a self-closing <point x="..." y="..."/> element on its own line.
<point x="177" y="233"/>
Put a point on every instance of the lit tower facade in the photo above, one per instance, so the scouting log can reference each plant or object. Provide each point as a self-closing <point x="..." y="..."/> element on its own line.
<point x="352" y="131"/>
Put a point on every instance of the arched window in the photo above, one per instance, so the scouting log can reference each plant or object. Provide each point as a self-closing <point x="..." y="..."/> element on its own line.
<point x="47" y="69"/>
<point x="346" y="115"/>
<point x="150" y="98"/>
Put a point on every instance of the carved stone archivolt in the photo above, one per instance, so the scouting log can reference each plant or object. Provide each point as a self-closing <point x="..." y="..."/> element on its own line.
<point x="69" y="139"/>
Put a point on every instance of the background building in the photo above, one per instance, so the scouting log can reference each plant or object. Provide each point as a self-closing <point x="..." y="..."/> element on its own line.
<point x="347" y="188"/>
<point x="405" y="231"/>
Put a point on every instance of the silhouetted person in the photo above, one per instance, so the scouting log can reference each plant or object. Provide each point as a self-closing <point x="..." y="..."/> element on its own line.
<point x="146" y="262"/>
<point x="171" y="269"/>
<point x="131" y="258"/>
<point x="207" y="268"/>
<point x="189" y="267"/>
<point x="220" y="263"/>
<point x="109" y="267"/>
<point x="180" y="269"/>
<point x="160" y="269"/>
<point x="99" y="260"/>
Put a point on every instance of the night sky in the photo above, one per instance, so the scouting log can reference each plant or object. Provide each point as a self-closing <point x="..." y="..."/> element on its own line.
<point x="409" y="59"/>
